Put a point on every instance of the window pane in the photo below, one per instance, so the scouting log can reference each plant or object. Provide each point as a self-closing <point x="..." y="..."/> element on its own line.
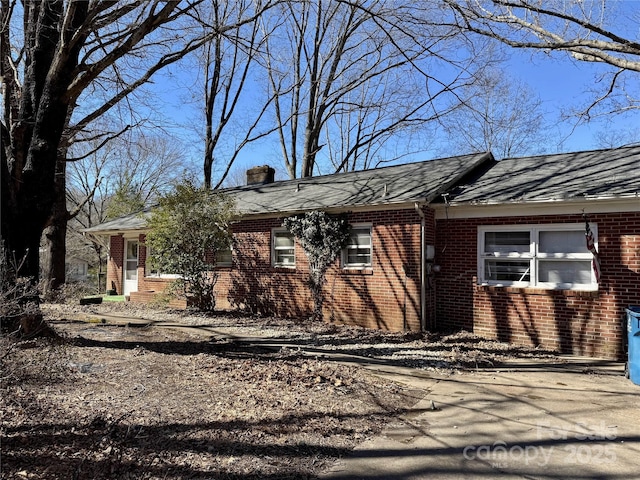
<point x="360" y="237"/>
<point x="562" y="241"/>
<point x="507" y="271"/>
<point x="359" y="256"/>
<point x="131" y="270"/>
<point x="285" y="257"/>
<point x="358" y="251"/>
<point x="507" y="242"/>
<point x="283" y="248"/>
<point x="223" y="256"/>
<point x="284" y="240"/>
<point x="132" y="249"/>
<point x="565" y="271"/>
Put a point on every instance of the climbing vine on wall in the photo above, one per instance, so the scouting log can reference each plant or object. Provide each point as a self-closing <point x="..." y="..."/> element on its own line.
<point x="322" y="237"/>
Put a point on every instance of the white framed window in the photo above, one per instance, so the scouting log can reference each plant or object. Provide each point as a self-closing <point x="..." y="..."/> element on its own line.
<point x="359" y="251"/>
<point x="282" y="248"/>
<point x="546" y="256"/>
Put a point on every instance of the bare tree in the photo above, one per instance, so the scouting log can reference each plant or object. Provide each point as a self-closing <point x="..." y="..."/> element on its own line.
<point x="587" y="30"/>
<point x="228" y="61"/>
<point x="618" y="137"/>
<point x="143" y="166"/>
<point x="54" y="55"/>
<point x="49" y="58"/>
<point x="124" y="176"/>
<point x="54" y="235"/>
<point x="351" y="75"/>
<point x="499" y="114"/>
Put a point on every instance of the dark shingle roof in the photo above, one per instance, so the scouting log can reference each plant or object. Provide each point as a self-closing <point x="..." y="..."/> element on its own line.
<point x="611" y="173"/>
<point x="134" y="221"/>
<point x="411" y="182"/>
<point x="394" y="185"/>
<point x="596" y="174"/>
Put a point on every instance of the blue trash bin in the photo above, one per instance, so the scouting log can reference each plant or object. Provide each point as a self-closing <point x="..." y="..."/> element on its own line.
<point x="633" y="331"/>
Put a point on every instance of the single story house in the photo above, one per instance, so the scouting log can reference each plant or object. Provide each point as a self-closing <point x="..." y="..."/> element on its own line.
<point x="468" y="242"/>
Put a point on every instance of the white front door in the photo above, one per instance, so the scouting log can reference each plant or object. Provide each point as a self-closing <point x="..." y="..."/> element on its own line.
<point x="130" y="283"/>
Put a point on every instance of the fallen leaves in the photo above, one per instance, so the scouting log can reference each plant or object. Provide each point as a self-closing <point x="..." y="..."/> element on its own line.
<point x="222" y="396"/>
<point x="170" y="414"/>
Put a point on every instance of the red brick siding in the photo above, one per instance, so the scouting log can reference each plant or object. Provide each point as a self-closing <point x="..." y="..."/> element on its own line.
<point x="385" y="296"/>
<point x="583" y="323"/>
<point x="114" y="263"/>
<point x="589" y="323"/>
<point x="374" y="297"/>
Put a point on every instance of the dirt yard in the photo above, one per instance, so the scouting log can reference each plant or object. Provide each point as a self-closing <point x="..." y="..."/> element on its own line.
<point x="187" y="396"/>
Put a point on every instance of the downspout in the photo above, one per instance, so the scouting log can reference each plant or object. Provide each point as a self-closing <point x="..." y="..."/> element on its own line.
<point x="423" y="269"/>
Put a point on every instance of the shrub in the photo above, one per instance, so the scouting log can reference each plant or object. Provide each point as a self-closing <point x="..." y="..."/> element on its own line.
<point x="19" y="302"/>
<point x="186" y="231"/>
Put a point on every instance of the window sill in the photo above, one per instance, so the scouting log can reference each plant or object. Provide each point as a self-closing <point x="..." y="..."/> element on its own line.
<point x="587" y="293"/>
<point x="357" y="271"/>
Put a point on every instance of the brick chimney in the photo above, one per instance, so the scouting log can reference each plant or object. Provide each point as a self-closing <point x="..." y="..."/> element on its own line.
<point x="260" y="175"/>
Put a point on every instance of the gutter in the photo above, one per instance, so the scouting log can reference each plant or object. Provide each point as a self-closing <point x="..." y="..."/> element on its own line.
<point x="551" y="200"/>
<point x="423" y="268"/>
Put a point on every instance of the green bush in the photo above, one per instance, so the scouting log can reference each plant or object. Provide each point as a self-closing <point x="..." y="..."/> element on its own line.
<point x="186" y="231"/>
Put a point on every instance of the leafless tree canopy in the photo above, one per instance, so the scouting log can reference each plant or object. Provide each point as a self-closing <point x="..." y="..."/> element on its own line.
<point x="588" y="30"/>
<point x="348" y="75"/>
<point x="57" y="54"/>
<point x="499" y="115"/>
<point x="336" y="82"/>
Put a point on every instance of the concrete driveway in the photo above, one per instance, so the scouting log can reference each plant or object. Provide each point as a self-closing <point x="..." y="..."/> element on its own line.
<point x="579" y="420"/>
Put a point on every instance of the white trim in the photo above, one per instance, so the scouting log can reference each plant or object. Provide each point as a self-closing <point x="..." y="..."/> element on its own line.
<point x="130" y="285"/>
<point x="527" y="209"/>
<point x="274" y="232"/>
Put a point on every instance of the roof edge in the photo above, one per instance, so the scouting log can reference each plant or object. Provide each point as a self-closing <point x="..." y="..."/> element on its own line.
<point x="482" y="165"/>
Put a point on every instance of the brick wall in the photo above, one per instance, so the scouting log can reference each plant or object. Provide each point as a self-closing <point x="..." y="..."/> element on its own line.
<point x="582" y="323"/>
<point x="115" y="263"/>
<point x="386" y="296"/>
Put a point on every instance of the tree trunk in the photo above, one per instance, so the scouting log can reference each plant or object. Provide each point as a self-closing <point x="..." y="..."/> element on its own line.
<point x="54" y="238"/>
<point x="53" y="263"/>
<point x="27" y="203"/>
<point x="208" y="159"/>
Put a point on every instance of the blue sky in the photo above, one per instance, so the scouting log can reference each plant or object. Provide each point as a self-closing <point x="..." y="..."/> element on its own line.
<point x="561" y="83"/>
<point x="564" y="84"/>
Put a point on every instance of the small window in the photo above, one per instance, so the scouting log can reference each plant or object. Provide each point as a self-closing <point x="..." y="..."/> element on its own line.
<point x="358" y="252"/>
<point x="548" y="256"/>
<point x="224" y="257"/>
<point x="283" y="249"/>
